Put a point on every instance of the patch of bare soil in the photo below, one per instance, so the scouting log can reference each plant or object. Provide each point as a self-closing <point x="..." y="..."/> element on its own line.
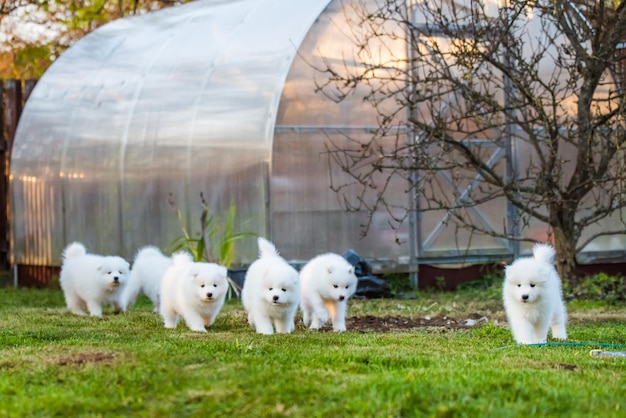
<point x="83" y="358"/>
<point x="398" y="323"/>
<point x="371" y="323"/>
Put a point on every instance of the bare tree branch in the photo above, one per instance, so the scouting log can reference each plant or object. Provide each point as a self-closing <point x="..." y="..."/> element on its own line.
<point x="541" y="71"/>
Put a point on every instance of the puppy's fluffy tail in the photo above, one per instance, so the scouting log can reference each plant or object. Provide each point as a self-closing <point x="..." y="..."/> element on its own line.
<point x="181" y="257"/>
<point x="148" y="252"/>
<point x="75" y="249"/>
<point x="266" y="248"/>
<point x="544" y="253"/>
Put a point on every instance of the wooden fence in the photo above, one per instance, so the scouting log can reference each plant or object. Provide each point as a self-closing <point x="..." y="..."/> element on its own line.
<point x="14" y="94"/>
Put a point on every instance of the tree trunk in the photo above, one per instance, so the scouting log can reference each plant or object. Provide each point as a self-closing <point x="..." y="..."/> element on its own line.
<point x="565" y="246"/>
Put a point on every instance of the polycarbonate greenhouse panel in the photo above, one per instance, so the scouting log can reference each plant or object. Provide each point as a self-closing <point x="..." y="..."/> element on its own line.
<point x="309" y="216"/>
<point x="303" y="203"/>
<point x="172" y="103"/>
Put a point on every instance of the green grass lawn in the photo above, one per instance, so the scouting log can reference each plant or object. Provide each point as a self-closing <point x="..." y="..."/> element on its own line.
<point x="53" y="363"/>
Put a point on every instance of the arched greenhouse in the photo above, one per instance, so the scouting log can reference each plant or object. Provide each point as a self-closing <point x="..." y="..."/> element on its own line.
<point x="214" y="97"/>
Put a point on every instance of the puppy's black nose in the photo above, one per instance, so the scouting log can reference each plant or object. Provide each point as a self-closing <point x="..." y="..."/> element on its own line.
<point x="209" y="295"/>
<point x="116" y="279"/>
<point x="525" y="297"/>
<point x="342" y="297"/>
<point x="275" y="298"/>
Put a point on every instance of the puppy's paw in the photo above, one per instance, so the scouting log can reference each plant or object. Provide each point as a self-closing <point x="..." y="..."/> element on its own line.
<point x="198" y="329"/>
<point x="79" y="313"/>
<point x="322" y="317"/>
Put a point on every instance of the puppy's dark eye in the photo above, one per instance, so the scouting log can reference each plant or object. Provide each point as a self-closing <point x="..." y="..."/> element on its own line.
<point x="283" y="289"/>
<point x="347" y="287"/>
<point x="519" y="285"/>
<point x="335" y="286"/>
<point x="215" y="285"/>
<point x="202" y="285"/>
<point x="532" y="285"/>
<point x="271" y="288"/>
<point x="110" y="272"/>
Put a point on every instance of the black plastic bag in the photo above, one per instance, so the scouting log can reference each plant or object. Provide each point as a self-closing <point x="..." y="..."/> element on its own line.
<point x="369" y="286"/>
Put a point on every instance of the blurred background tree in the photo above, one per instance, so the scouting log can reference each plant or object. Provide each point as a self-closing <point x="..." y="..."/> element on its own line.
<point x="33" y="33"/>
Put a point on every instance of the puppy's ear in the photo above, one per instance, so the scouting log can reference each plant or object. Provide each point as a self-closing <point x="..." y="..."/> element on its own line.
<point x="223" y="271"/>
<point x="351" y="270"/>
<point x="193" y="272"/>
<point x="329" y="269"/>
<point x="100" y="267"/>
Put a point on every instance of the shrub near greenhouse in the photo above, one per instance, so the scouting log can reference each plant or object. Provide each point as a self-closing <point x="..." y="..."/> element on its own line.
<point x="610" y="289"/>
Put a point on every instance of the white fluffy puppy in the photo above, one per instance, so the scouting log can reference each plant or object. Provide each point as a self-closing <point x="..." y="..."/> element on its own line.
<point x="91" y="280"/>
<point x="327" y="281"/>
<point x="271" y="291"/>
<point x="145" y="277"/>
<point x="194" y="290"/>
<point x="533" y="297"/>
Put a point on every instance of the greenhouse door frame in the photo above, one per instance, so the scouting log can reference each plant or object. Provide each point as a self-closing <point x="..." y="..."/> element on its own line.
<point x="417" y="244"/>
